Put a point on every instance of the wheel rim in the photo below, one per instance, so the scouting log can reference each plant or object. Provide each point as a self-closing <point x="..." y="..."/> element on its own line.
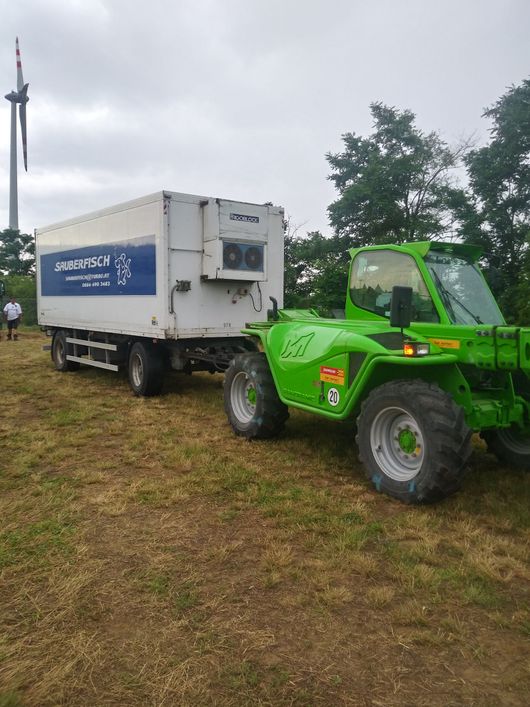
<point x="243" y="397"/>
<point x="137" y="370"/>
<point x="397" y="444"/>
<point x="515" y="439"/>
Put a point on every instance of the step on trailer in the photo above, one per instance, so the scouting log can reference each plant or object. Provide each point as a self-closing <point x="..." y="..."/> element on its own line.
<point x="167" y="281"/>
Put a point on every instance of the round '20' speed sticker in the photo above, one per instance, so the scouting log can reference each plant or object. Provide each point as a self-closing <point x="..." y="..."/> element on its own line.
<point x="333" y="397"/>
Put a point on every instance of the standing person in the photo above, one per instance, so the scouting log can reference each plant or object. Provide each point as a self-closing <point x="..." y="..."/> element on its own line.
<point x="12" y="315"/>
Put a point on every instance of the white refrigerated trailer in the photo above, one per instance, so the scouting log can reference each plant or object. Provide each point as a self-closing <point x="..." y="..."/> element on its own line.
<point x="163" y="282"/>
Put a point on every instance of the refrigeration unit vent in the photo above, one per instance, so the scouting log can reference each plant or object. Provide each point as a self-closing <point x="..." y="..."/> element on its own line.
<point x="243" y="256"/>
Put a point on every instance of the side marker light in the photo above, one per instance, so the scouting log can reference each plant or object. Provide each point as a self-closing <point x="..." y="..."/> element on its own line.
<point x="414" y="348"/>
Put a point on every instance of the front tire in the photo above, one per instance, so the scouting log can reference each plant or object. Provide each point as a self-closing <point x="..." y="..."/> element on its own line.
<point x="146" y="370"/>
<point x="511" y="446"/>
<point x="59" y="352"/>
<point x="251" y="401"/>
<point x="413" y="441"/>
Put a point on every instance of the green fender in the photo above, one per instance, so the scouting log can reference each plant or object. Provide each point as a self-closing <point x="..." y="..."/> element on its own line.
<point x="328" y="367"/>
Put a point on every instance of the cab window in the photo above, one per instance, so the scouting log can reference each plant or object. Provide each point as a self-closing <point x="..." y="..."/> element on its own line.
<point x="375" y="273"/>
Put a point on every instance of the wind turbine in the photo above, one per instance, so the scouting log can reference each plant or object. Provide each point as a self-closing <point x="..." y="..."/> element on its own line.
<point x="20" y="97"/>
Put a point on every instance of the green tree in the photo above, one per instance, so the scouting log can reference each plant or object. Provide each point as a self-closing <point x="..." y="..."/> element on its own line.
<point x="316" y="272"/>
<point x="17" y="253"/>
<point x="395" y="185"/>
<point x="498" y="207"/>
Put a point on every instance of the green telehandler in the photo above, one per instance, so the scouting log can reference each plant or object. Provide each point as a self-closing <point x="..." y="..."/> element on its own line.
<point x="422" y="360"/>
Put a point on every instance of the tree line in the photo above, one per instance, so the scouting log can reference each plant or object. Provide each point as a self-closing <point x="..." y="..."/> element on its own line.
<point x="399" y="184"/>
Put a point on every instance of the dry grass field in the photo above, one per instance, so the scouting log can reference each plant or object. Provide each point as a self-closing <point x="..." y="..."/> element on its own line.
<point x="150" y="557"/>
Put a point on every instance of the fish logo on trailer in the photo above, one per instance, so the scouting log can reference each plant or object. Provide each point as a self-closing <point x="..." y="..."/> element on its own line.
<point x="123" y="268"/>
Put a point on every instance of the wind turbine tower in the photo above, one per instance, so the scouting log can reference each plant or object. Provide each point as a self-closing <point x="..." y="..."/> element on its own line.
<point x="20" y="98"/>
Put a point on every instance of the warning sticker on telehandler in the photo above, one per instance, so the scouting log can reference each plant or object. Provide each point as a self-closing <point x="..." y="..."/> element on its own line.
<point x="446" y="343"/>
<point x="332" y="375"/>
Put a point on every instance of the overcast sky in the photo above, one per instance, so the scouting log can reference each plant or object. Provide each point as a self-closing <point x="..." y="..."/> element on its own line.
<point x="236" y="98"/>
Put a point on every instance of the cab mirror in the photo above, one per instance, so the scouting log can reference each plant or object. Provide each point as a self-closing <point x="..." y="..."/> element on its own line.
<point x="401" y="307"/>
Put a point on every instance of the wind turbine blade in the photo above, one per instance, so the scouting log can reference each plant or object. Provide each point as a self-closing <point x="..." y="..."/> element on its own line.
<point x="23" y="125"/>
<point x="20" y="79"/>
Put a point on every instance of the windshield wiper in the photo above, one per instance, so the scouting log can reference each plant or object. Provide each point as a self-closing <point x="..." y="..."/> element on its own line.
<point x="446" y="294"/>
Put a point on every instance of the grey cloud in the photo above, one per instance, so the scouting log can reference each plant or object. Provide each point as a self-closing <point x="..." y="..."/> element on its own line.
<point x="237" y="98"/>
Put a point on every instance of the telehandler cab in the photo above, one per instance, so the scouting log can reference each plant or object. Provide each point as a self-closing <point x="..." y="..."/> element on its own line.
<point x="422" y="360"/>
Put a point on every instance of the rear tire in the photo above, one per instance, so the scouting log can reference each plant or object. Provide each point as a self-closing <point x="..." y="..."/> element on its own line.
<point x="511" y="446"/>
<point x="59" y="351"/>
<point x="146" y="369"/>
<point x="413" y="441"/>
<point x="251" y="401"/>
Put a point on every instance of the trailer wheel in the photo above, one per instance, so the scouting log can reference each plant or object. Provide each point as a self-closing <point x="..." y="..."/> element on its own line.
<point x="251" y="401"/>
<point x="59" y="351"/>
<point x="146" y="370"/>
<point x="510" y="446"/>
<point x="413" y="441"/>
